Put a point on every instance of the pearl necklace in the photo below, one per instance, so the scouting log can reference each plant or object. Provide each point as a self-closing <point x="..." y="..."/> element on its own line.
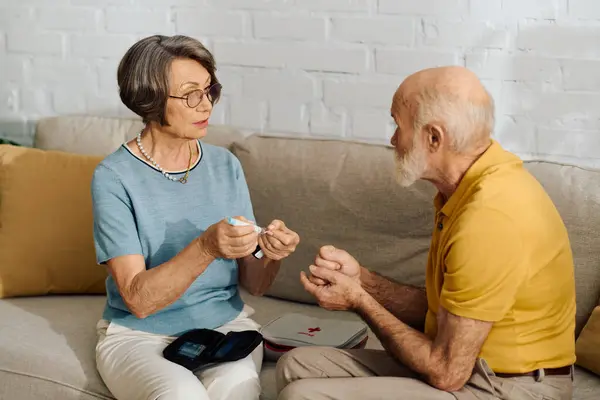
<point x="183" y="179"/>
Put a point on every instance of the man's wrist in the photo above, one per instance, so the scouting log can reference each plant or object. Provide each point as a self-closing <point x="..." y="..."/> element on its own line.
<point x="365" y="278"/>
<point x="361" y="300"/>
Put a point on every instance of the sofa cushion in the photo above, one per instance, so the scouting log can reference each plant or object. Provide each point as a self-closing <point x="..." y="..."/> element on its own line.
<point x="103" y="135"/>
<point x="339" y="193"/>
<point x="576" y="194"/>
<point x="588" y="344"/>
<point x="48" y="347"/>
<point x="586" y="385"/>
<point x="46" y="219"/>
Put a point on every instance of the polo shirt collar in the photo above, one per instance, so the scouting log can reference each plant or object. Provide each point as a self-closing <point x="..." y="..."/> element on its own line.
<point x="493" y="156"/>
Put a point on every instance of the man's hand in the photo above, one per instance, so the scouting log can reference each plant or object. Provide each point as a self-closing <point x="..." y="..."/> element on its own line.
<point x="341" y="292"/>
<point x="336" y="260"/>
<point x="279" y="241"/>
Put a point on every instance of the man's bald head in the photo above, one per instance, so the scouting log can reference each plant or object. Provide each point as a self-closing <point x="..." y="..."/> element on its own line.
<point x="452" y="98"/>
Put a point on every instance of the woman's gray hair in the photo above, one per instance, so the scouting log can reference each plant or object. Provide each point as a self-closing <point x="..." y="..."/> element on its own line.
<point x="143" y="73"/>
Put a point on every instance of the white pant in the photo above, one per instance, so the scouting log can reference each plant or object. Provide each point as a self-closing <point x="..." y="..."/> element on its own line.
<point x="133" y="368"/>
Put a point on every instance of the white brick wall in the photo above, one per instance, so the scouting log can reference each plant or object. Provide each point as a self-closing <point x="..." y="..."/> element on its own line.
<point x="324" y="68"/>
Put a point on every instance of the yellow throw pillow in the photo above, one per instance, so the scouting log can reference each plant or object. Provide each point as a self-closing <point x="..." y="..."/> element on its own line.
<point x="46" y="223"/>
<point x="588" y="344"/>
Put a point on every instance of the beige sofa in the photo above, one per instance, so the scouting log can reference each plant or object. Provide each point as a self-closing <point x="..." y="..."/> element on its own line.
<point x="331" y="192"/>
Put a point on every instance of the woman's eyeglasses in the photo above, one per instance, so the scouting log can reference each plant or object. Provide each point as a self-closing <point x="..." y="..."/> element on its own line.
<point x="195" y="97"/>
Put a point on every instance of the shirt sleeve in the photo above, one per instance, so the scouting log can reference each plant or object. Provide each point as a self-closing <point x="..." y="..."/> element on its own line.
<point x="484" y="266"/>
<point x="115" y="228"/>
<point x="243" y="194"/>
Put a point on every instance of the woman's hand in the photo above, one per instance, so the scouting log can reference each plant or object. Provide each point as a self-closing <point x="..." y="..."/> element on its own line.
<point x="222" y="240"/>
<point x="279" y="241"/>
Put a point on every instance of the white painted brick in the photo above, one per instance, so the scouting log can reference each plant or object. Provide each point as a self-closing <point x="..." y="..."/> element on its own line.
<point x="335" y="5"/>
<point x="455" y="8"/>
<point x="325" y="122"/>
<point x="231" y="79"/>
<point x="288" y="117"/>
<point x="13" y="67"/>
<point x="541" y="9"/>
<point x="106" y="71"/>
<point x="248" y="114"/>
<point x="252" y="4"/>
<point x="99" y="3"/>
<point x="209" y="22"/>
<point x="584" y="9"/>
<point x="372" y="125"/>
<point x="100" y="45"/>
<point x="514" y="67"/>
<point x="279" y="55"/>
<point x="566" y="142"/>
<point x="359" y="94"/>
<point x="519" y="98"/>
<point x="279" y="86"/>
<point x="36" y="102"/>
<point x="56" y="72"/>
<point x="569" y="110"/>
<point x="68" y="102"/>
<point x="169" y="3"/>
<point x="393" y="30"/>
<point x="25" y="42"/>
<point x="250" y="54"/>
<point x="16" y="17"/>
<point x="465" y="34"/>
<point x="581" y="75"/>
<point x="405" y="62"/>
<point x="320" y="68"/>
<point x="103" y="104"/>
<point x="516" y="134"/>
<point x="40" y="2"/>
<point x="289" y="27"/>
<point x="66" y="18"/>
<point x="329" y="59"/>
<point x="559" y="40"/>
<point x="135" y="20"/>
<point x="9" y="100"/>
<point x="485" y="9"/>
<point x="220" y="111"/>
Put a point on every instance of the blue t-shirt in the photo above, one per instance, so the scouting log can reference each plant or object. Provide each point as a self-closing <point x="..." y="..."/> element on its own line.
<point x="139" y="211"/>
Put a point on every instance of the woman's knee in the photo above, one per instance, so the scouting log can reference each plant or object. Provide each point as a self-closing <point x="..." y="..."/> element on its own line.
<point x="182" y="390"/>
<point x="233" y="381"/>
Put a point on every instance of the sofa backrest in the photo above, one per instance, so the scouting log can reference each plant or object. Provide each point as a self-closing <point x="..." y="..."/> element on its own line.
<point x="102" y="135"/>
<point x="344" y="194"/>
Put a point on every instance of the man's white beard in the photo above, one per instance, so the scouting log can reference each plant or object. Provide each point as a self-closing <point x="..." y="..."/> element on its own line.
<point x="411" y="166"/>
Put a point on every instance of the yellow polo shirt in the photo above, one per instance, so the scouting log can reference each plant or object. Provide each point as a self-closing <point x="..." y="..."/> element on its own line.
<point x="500" y="252"/>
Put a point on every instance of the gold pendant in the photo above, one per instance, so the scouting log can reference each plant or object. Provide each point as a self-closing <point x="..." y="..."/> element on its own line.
<point x="183" y="180"/>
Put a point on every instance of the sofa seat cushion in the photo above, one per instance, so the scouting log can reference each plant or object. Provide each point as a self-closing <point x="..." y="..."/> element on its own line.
<point x="587" y="385"/>
<point x="48" y="346"/>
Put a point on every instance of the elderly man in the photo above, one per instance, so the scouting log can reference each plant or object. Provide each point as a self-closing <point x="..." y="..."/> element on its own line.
<point x="496" y="319"/>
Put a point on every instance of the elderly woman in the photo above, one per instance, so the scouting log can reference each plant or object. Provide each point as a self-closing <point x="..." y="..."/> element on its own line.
<point x="160" y="203"/>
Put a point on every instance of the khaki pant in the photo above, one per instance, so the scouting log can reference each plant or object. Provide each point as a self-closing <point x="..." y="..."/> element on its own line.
<point x="319" y="373"/>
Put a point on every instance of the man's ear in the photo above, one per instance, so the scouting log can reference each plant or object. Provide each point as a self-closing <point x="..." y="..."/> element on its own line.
<point x="435" y="137"/>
